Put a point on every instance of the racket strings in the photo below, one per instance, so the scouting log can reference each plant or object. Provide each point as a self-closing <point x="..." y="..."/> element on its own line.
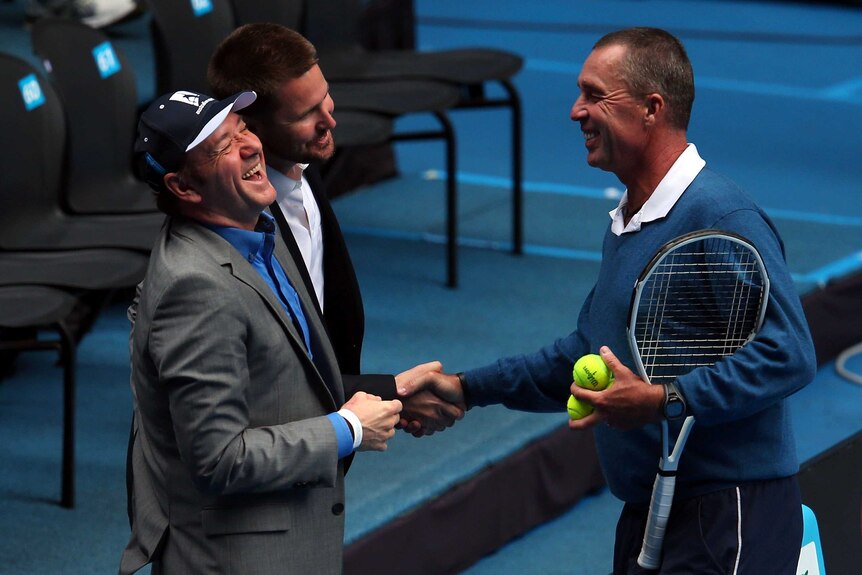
<point x="700" y="299"/>
<point x="700" y="303"/>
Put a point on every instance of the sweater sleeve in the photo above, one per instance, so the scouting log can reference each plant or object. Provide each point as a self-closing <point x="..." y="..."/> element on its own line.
<point x="531" y="382"/>
<point x="777" y="362"/>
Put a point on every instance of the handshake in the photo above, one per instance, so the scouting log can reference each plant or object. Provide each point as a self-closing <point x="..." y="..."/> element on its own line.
<point x="430" y="401"/>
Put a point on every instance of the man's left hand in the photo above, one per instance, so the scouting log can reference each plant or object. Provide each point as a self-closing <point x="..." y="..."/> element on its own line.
<point x="627" y="404"/>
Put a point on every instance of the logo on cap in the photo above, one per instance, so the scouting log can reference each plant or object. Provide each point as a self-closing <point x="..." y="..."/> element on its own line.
<point x="191" y="99"/>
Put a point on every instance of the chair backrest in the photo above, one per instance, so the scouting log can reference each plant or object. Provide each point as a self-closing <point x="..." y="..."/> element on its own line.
<point x="33" y="144"/>
<point x="97" y="86"/>
<point x="333" y="25"/>
<point x="185" y="34"/>
<point x="341" y="25"/>
<point x="288" y="13"/>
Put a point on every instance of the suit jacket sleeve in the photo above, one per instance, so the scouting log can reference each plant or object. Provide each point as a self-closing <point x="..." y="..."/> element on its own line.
<point x="374" y="383"/>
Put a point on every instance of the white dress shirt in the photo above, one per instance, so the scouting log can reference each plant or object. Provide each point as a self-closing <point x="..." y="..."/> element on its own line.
<point x="300" y="209"/>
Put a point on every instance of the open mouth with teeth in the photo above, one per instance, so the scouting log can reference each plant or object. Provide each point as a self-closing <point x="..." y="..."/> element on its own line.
<point x="254" y="174"/>
<point x="323" y="140"/>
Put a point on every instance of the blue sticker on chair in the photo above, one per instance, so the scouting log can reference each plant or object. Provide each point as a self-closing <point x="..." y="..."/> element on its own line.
<point x="201" y="7"/>
<point x="31" y="92"/>
<point x="106" y="59"/>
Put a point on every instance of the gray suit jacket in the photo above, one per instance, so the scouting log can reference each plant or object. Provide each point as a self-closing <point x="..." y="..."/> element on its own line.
<point x="234" y="463"/>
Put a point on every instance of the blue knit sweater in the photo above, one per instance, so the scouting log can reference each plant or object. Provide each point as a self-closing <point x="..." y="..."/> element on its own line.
<point x="743" y="430"/>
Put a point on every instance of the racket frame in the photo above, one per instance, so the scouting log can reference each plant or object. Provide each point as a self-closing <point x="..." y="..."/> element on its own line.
<point x="665" y="482"/>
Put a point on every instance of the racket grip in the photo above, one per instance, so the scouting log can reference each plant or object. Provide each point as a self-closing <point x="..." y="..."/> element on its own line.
<point x="659" y="511"/>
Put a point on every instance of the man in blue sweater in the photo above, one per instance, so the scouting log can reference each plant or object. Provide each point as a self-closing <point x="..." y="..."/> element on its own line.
<point x="737" y="507"/>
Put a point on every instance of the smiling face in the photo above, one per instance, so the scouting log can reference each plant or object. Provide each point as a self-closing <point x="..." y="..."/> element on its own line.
<point x="300" y="129"/>
<point x="611" y="118"/>
<point x="224" y="178"/>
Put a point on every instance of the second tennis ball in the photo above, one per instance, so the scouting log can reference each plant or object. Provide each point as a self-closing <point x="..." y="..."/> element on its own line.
<point x="590" y="372"/>
<point x="578" y="409"/>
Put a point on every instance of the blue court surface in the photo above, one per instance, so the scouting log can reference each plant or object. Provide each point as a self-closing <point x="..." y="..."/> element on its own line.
<point x="778" y="109"/>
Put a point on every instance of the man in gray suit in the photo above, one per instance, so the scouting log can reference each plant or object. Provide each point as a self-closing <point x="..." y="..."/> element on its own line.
<point x="242" y="433"/>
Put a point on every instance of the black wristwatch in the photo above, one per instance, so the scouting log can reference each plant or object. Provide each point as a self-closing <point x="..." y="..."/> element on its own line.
<point x="674" y="405"/>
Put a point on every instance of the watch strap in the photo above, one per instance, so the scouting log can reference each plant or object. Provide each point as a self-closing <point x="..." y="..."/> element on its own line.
<point x="674" y="406"/>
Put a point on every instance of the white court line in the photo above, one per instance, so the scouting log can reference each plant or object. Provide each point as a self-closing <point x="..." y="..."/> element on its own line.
<point x="614" y="194"/>
<point x="838" y="268"/>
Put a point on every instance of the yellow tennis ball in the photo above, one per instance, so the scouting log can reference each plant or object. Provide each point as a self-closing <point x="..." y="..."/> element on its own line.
<point x="578" y="409"/>
<point x="590" y="372"/>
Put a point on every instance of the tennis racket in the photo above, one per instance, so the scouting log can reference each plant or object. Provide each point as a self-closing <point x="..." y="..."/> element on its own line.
<point x="701" y="298"/>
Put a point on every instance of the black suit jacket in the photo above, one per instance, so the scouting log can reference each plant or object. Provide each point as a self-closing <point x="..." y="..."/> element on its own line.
<point x="344" y="315"/>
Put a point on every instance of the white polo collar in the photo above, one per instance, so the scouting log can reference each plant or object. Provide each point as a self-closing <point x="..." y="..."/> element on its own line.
<point x="680" y="176"/>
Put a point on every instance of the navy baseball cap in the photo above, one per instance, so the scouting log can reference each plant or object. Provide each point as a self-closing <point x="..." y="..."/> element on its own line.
<point x="174" y="124"/>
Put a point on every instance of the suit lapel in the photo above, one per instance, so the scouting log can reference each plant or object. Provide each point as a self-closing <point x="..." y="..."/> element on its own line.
<point x="240" y="269"/>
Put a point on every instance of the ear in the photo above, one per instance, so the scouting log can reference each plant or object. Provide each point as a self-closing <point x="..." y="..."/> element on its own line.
<point x="180" y="186"/>
<point x="654" y="105"/>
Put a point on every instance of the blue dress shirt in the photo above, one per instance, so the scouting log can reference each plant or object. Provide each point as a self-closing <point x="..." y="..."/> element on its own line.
<point x="257" y="246"/>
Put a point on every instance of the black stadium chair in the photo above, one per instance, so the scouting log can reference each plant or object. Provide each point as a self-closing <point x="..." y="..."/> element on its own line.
<point x="54" y="269"/>
<point x="357" y="128"/>
<point x="32" y="158"/>
<point x="334" y="27"/>
<point x="286" y="13"/>
<point x="25" y="312"/>
<point x="185" y="39"/>
<point x="57" y="291"/>
<point x="96" y="84"/>
<point x="86" y="269"/>
<point x="184" y="34"/>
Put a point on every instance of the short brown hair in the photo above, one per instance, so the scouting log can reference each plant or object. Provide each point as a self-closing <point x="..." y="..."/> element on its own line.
<point x="259" y="57"/>
<point x="656" y="62"/>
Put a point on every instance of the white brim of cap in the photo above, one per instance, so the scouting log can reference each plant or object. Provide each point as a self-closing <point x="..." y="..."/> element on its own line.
<point x="243" y="99"/>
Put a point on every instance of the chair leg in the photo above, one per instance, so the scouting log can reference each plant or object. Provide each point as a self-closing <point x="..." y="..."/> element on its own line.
<point x="477" y="99"/>
<point x="67" y="360"/>
<point x="65" y="345"/>
<point x="447" y="133"/>
<point x="451" y="202"/>
<point x="517" y="169"/>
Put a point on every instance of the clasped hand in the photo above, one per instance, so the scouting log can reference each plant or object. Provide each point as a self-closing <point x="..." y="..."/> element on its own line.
<point x="433" y="400"/>
<point x="378" y="419"/>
